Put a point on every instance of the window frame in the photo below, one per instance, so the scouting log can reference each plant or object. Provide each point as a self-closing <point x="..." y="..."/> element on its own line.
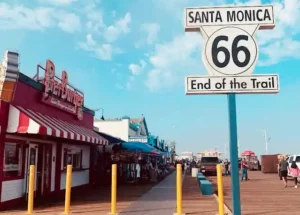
<point x="22" y="160"/>
<point x="72" y="153"/>
<point x="296" y="159"/>
<point x="291" y="159"/>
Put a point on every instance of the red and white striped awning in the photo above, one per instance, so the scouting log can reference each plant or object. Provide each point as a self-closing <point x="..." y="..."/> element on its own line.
<point x="23" y="121"/>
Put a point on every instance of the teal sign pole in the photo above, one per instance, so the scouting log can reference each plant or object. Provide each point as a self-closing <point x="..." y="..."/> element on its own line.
<point x="235" y="182"/>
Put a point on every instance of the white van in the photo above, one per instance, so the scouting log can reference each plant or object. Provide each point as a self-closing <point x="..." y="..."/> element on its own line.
<point x="292" y="158"/>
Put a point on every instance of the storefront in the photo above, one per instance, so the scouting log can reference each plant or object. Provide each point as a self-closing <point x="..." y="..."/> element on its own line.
<point x="43" y="122"/>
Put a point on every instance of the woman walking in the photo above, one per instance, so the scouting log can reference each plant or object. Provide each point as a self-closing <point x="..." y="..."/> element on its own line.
<point x="294" y="173"/>
<point x="284" y="167"/>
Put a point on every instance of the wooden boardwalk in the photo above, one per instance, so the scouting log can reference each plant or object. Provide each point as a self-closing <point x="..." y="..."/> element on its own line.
<point x="94" y="201"/>
<point x="193" y="202"/>
<point x="264" y="194"/>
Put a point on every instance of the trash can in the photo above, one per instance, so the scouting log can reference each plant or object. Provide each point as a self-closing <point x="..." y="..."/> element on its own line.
<point x="195" y="172"/>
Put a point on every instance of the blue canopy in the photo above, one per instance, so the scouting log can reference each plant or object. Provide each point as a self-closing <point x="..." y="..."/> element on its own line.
<point x="140" y="147"/>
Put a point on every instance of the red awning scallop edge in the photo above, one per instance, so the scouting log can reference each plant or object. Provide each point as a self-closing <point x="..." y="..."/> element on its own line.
<point x="23" y="121"/>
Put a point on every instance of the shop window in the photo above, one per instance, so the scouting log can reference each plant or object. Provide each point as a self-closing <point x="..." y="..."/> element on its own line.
<point x="13" y="156"/>
<point x="73" y="157"/>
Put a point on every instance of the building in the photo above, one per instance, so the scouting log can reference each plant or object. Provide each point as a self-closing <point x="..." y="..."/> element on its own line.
<point x="134" y="132"/>
<point x="187" y="156"/>
<point x="209" y="153"/>
<point x="126" y="128"/>
<point x="44" y="123"/>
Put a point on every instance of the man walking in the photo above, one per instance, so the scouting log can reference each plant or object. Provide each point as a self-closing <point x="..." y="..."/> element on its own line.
<point x="226" y="166"/>
<point x="284" y="168"/>
<point x="244" y="168"/>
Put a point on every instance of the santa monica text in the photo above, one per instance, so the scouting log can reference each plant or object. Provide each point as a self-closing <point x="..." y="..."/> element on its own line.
<point x="220" y="16"/>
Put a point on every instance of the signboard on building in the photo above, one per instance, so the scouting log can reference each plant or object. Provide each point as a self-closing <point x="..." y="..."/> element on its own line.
<point x="138" y="139"/>
<point x="60" y="94"/>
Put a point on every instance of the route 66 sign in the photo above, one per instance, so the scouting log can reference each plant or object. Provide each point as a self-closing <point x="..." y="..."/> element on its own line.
<point x="230" y="47"/>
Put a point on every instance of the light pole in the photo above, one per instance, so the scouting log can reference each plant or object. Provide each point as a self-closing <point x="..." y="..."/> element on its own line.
<point x="239" y="147"/>
<point x="102" y="117"/>
<point x="267" y="139"/>
<point x="225" y="151"/>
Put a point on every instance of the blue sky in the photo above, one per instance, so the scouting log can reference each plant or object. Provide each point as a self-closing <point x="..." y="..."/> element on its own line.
<point x="130" y="58"/>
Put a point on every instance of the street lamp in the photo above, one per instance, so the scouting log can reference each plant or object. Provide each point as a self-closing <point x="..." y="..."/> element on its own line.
<point x="267" y="139"/>
<point x="102" y="117"/>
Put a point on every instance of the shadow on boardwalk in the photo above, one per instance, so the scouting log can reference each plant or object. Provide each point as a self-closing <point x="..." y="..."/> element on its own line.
<point x="160" y="200"/>
<point x="93" y="200"/>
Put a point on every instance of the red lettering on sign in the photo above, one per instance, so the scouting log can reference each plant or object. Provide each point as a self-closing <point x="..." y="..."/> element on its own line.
<point x="59" y="94"/>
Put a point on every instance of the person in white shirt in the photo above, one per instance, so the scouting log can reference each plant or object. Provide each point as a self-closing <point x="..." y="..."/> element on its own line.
<point x="138" y="171"/>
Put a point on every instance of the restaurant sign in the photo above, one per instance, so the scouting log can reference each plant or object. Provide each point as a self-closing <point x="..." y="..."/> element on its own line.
<point x="138" y="139"/>
<point x="60" y="94"/>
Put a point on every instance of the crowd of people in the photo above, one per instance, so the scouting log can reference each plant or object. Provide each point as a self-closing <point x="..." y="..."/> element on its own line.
<point x="243" y="166"/>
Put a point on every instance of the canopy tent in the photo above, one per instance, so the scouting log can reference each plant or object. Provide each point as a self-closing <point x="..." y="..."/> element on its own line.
<point x="248" y="153"/>
<point x="140" y="147"/>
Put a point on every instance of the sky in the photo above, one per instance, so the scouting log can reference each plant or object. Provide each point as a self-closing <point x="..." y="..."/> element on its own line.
<point x="130" y="58"/>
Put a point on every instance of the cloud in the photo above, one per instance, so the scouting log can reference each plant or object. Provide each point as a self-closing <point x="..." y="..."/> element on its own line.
<point x="21" y="17"/>
<point x="102" y="51"/>
<point x="287" y="13"/>
<point x="68" y="22"/>
<point x="151" y="30"/>
<point x="289" y="49"/>
<point x="94" y="18"/>
<point x="102" y="44"/>
<point x="136" y="69"/>
<point x="57" y="2"/>
<point x="130" y="82"/>
<point x="172" y="60"/>
<point x="113" y="32"/>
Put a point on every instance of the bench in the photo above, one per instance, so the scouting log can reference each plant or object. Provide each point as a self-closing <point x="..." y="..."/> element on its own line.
<point x="200" y="177"/>
<point x="206" y="187"/>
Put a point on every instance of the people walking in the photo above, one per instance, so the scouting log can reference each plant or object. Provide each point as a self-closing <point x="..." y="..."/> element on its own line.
<point x="226" y="167"/>
<point x="294" y="171"/>
<point x="244" y="168"/>
<point x="284" y="167"/>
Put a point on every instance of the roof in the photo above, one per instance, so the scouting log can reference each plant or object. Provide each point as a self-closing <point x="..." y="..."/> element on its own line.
<point x="110" y="138"/>
<point x="139" y="121"/>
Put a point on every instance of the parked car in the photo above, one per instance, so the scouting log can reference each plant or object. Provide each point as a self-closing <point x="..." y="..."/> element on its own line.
<point x="208" y="165"/>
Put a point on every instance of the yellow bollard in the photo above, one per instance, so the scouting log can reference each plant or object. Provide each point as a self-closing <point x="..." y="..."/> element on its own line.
<point x="179" y="189"/>
<point x="68" y="189"/>
<point x="31" y="190"/>
<point x="113" y="189"/>
<point x="220" y="189"/>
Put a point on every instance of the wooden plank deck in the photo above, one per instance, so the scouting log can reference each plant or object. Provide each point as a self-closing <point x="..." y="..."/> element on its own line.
<point x="264" y="194"/>
<point x="93" y="201"/>
<point x="194" y="202"/>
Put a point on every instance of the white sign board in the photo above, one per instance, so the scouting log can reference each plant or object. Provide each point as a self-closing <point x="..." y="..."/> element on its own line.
<point x="230" y="47"/>
<point x="262" y="15"/>
<point x="231" y="84"/>
<point x="137" y="139"/>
